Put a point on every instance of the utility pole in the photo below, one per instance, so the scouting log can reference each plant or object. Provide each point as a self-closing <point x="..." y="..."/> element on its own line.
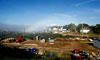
<point x="24" y="32"/>
<point x="82" y="30"/>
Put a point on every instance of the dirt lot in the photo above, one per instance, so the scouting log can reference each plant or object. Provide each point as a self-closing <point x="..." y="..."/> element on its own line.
<point x="60" y="46"/>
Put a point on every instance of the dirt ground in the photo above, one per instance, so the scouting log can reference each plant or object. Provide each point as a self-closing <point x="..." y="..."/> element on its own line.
<point x="60" y="45"/>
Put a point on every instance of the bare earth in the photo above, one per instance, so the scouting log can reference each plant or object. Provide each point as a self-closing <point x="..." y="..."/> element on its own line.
<point x="60" y="46"/>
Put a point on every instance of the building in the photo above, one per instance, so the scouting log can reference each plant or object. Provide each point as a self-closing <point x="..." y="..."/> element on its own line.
<point x="57" y="29"/>
<point x="66" y="28"/>
<point x="54" y="29"/>
<point x="96" y="43"/>
<point x="85" y="30"/>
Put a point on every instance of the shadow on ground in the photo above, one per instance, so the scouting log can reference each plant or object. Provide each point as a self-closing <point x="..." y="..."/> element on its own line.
<point x="7" y="53"/>
<point x="15" y="53"/>
<point x="90" y="44"/>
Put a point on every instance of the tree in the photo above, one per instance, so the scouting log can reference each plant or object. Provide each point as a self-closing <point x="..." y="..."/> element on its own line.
<point x="72" y="27"/>
<point x="96" y="29"/>
<point x="80" y="26"/>
<point x="91" y="29"/>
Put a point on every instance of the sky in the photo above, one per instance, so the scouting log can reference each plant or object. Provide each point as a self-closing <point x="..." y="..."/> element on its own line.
<point x="37" y="14"/>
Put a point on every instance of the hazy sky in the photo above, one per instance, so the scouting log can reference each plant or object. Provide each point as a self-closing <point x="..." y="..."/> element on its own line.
<point x="40" y="13"/>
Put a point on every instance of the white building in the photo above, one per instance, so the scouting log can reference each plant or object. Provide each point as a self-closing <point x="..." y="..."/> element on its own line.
<point x="96" y="43"/>
<point x="54" y="29"/>
<point x="85" y="30"/>
<point x="64" y="30"/>
<point x="57" y="29"/>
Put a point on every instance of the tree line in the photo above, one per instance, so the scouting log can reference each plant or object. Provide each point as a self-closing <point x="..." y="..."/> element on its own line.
<point x="93" y="28"/>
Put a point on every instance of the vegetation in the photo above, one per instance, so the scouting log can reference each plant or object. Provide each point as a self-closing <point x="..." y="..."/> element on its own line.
<point x="30" y="35"/>
<point x="93" y="29"/>
<point x="72" y="27"/>
<point x="81" y="26"/>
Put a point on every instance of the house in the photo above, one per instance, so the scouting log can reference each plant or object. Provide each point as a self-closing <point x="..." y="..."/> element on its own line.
<point x="66" y="28"/>
<point x="85" y="30"/>
<point x="54" y="29"/>
<point x="96" y="42"/>
<point x="57" y="29"/>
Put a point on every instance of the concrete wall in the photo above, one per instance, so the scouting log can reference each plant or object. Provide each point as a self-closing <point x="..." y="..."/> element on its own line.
<point x="96" y="43"/>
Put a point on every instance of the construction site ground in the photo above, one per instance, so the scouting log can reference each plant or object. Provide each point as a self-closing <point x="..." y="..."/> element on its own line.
<point x="62" y="46"/>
